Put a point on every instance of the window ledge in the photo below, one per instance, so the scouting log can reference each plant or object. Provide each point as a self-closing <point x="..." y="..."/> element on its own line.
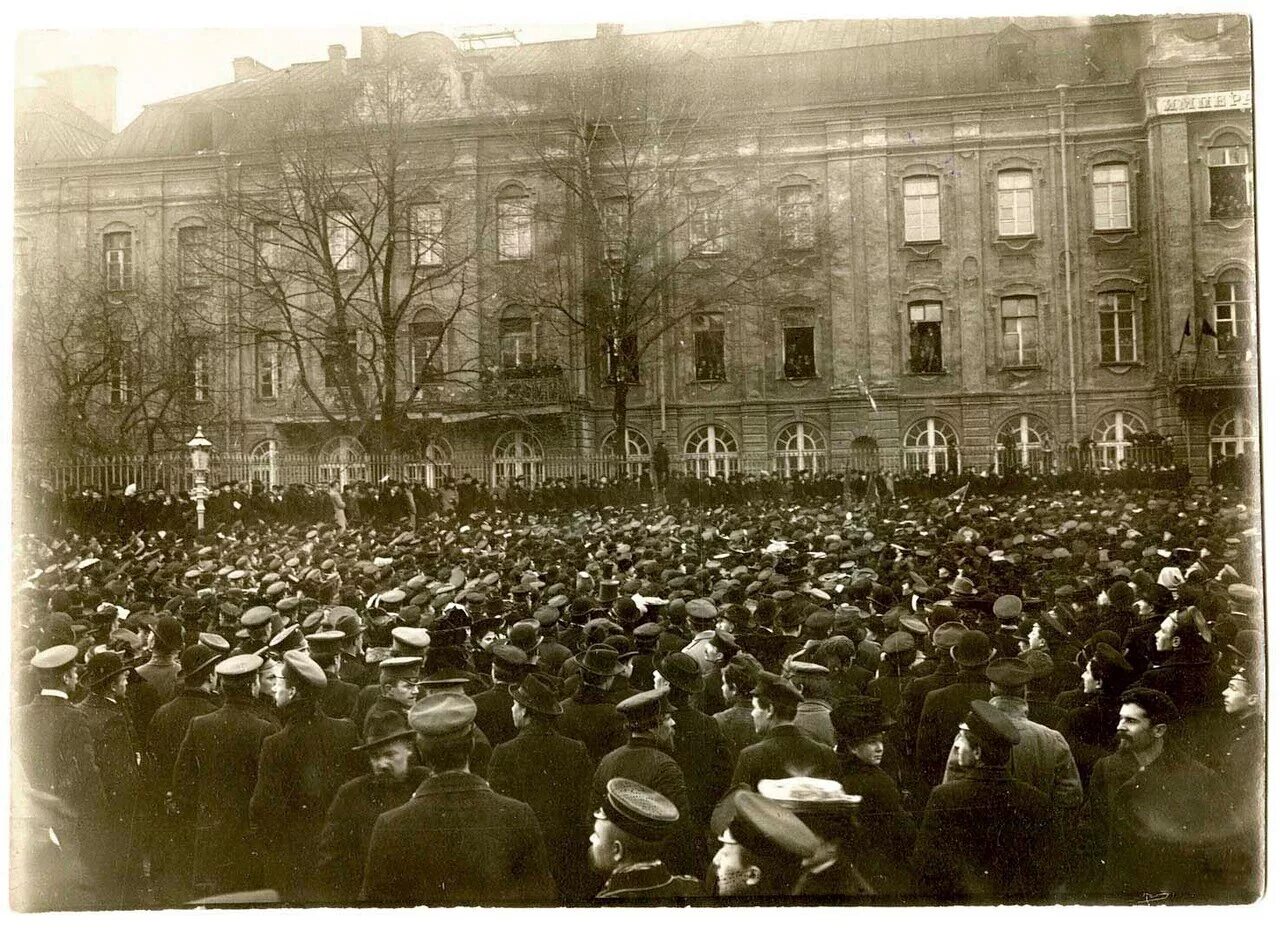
<point x="1229" y="224"/>
<point x="710" y="381"/>
<point x="1114" y="235"/>
<point x="1020" y="368"/>
<point x="1017" y="241"/>
<point x="1120" y="367"/>
<point x="797" y="380"/>
<point x="514" y="259"/>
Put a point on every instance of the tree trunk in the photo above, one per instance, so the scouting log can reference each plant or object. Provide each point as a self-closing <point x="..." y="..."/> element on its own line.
<point x="620" y="390"/>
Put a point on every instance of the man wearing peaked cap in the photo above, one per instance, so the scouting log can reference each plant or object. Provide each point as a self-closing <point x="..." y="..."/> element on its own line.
<point x="1041" y="758"/>
<point x="647" y="757"/>
<point x="214" y="776"/>
<point x="783" y="750"/>
<point x="987" y="837"/>
<point x="398" y="688"/>
<point x="255" y="629"/>
<point x="391" y="781"/>
<point x="456" y="841"/>
<point x="301" y="768"/>
<point x="764" y="850"/>
<point x="493" y="706"/>
<point x="632" y="826"/>
<point x="944" y="708"/>
<point x="340" y="696"/>
<point x="551" y="773"/>
<point x="163" y="739"/>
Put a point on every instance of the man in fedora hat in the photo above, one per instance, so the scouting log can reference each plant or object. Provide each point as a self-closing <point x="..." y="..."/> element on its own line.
<point x="987" y="837"/>
<point x="550" y="772"/>
<point x="214" y="776"/>
<point x="591" y="715"/>
<point x="391" y="781"/>
<point x="456" y="841"/>
<point x="111" y="847"/>
<point x="301" y="768"/>
<point x="945" y="708"/>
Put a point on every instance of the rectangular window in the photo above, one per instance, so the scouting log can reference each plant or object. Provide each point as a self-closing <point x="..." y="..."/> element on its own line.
<point x="267" y="351"/>
<point x="1111" y="197"/>
<point x="795" y="216"/>
<point x="623" y="359"/>
<point x="922" y="219"/>
<point x="118" y="260"/>
<point x="1021" y="334"/>
<point x="118" y="375"/>
<point x="925" y="322"/>
<point x="340" y="358"/>
<point x="342" y="245"/>
<point x="616" y="231"/>
<point x="191" y="247"/>
<point x="1233" y="316"/>
<point x="426" y="232"/>
<point x="266" y="250"/>
<point x="200" y="374"/>
<point x="708" y="348"/>
<point x="21" y="265"/>
<point x="515" y="229"/>
<point x="1016" y="218"/>
<point x="1117" y="328"/>
<point x="429" y="351"/>
<point x="797" y="352"/>
<point x="1230" y="182"/>
<point x="517" y="342"/>
<point x="706" y="233"/>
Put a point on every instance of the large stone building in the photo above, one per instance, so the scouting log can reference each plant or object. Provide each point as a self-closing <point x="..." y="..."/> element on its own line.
<point x="1038" y="247"/>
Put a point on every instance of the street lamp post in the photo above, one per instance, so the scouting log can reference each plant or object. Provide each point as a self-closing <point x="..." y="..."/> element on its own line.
<point x="199" y="447"/>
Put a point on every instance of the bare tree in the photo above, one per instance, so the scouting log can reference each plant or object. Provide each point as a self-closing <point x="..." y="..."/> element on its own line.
<point x="661" y="220"/>
<point x="104" y="371"/>
<point x="341" y="230"/>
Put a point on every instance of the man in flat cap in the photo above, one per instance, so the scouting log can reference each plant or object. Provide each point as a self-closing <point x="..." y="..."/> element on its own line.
<point x="765" y="850"/>
<point x="551" y="773"/>
<point x="945" y="708"/>
<point x="987" y="838"/>
<point x="1042" y="757"/>
<point x="632" y="826"/>
<point x="164" y="737"/>
<point x="783" y="750"/>
<point x="111" y="846"/>
<point x="214" y="777"/>
<point x="456" y="841"/>
<point x="301" y="768"/>
<point x="391" y="781"/>
<point x="1154" y="819"/>
<point x="56" y="749"/>
<point x="493" y="706"/>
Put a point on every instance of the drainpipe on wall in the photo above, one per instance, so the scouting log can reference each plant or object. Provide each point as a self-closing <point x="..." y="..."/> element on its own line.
<point x="1066" y="256"/>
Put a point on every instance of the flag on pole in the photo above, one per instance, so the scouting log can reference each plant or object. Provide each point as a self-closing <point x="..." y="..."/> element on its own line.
<point x="870" y="399"/>
<point x="959" y="495"/>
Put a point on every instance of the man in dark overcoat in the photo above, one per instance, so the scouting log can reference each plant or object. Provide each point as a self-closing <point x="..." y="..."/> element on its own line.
<point x="987" y="838"/>
<point x="591" y="715"/>
<point x="552" y="774"/>
<point x="301" y="768"/>
<point x="700" y="748"/>
<point x="493" y="706"/>
<point x="214" y="777"/>
<point x="391" y="781"/>
<point x="783" y="750"/>
<point x="456" y="841"/>
<point x="169" y="846"/>
<point x="339" y="699"/>
<point x="945" y="708"/>
<point x="111" y="852"/>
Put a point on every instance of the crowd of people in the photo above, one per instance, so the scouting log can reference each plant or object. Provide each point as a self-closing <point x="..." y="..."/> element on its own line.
<point x="1001" y="697"/>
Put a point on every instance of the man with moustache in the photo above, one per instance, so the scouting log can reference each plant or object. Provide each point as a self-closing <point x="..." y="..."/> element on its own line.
<point x="391" y="781"/>
<point x="1153" y="819"/>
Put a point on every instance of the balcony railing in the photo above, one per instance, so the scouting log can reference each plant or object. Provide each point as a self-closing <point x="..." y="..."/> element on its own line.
<point x="1209" y="367"/>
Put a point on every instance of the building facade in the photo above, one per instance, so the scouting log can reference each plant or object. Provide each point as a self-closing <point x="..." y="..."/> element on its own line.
<point x="1037" y="250"/>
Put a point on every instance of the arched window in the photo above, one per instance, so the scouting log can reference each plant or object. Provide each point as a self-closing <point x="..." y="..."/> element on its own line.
<point x="930" y="447"/>
<point x="1113" y="438"/>
<point x="711" y="452"/>
<point x="638" y="452"/>
<point x="262" y="463"/>
<point x="799" y="447"/>
<point x="435" y="463"/>
<point x="1023" y="444"/>
<point x="343" y="459"/>
<point x="1231" y="433"/>
<point x="517" y="454"/>
<point x="865" y="454"/>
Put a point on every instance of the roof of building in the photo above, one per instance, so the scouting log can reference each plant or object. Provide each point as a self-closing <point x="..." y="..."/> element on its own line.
<point x="48" y="128"/>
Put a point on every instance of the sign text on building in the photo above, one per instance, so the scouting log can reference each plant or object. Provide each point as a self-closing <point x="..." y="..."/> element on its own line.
<point x="1205" y="101"/>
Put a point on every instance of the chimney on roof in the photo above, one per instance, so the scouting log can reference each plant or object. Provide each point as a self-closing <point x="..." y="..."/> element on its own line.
<point x="247" y="67"/>
<point x="374" y="42"/>
<point x="91" y="88"/>
<point x="608" y="30"/>
<point x="338" y="59"/>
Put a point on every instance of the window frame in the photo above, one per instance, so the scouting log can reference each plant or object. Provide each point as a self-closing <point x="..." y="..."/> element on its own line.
<point x="924" y="307"/>
<point x="201" y="385"/>
<point x="1240" y="311"/>
<point x="266" y="250"/>
<point x="1109" y="186"/>
<point x="124" y="281"/>
<point x="704" y="325"/>
<point x="706" y="224"/>
<point x="917" y="199"/>
<point x="332" y="378"/>
<point x="794" y="451"/>
<point x="796" y="216"/>
<point x="1223" y="144"/>
<point x="439" y="361"/>
<point x="1019" y="317"/>
<point x="1011" y="196"/>
<point x="1115" y="313"/>
<point x="269" y="345"/>
<point x="344" y="260"/>
<point x="517" y="315"/>
<point x="514" y="223"/>
<point x="190" y="262"/>
<point x="424" y="255"/>
<point x="711" y="450"/>
<point x="788" y="372"/>
<point x="924" y="458"/>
